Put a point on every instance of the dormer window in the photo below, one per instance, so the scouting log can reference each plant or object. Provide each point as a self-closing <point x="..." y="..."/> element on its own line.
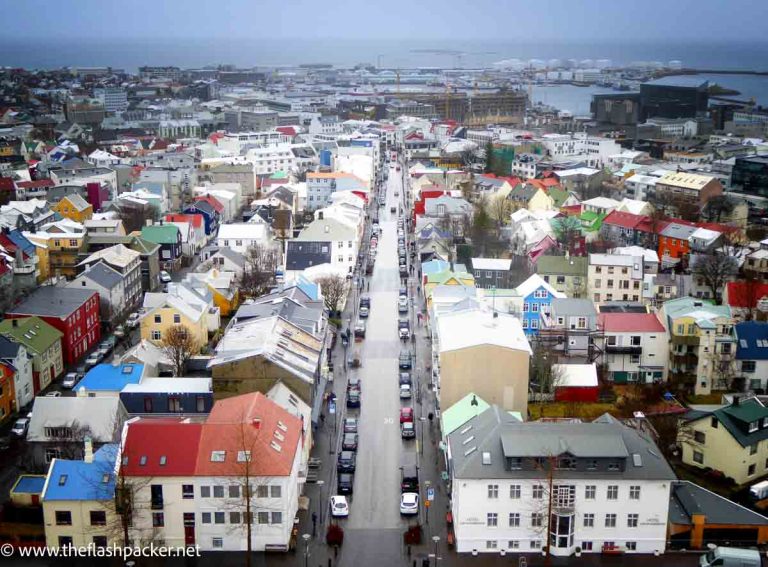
<point x="765" y="422"/>
<point x="753" y="426"/>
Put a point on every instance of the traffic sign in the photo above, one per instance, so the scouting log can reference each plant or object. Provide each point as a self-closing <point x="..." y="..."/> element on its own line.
<point x="332" y="407"/>
<point x="430" y="494"/>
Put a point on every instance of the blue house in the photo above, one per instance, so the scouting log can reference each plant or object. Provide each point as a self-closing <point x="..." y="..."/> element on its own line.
<point x="106" y="379"/>
<point x="752" y="354"/>
<point x="536" y="296"/>
<point x="210" y="215"/>
<point x="168" y="396"/>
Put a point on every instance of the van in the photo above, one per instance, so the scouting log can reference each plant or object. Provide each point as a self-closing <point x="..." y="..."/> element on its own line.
<point x="730" y="557"/>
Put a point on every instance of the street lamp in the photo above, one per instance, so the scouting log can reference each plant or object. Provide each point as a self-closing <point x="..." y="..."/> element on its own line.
<point x="436" y="540"/>
<point x="306" y="538"/>
<point x="321" y="484"/>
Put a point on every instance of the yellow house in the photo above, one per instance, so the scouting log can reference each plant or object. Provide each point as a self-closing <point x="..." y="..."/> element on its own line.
<point x="78" y="500"/>
<point x="58" y="245"/>
<point x="446" y="278"/>
<point x="180" y="306"/>
<point x="531" y="197"/>
<point x="731" y="440"/>
<point x="74" y="207"/>
<point x="223" y="286"/>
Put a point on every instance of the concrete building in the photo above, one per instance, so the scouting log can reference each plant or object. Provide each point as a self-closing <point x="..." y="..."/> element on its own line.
<point x="114" y="99"/>
<point x="615" y="277"/>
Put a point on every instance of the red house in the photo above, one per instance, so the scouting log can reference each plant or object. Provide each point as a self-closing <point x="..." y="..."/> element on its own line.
<point x="575" y="382"/>
<point x="74" y="312"/>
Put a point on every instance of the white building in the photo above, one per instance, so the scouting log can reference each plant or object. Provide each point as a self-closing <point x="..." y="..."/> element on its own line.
<point x="615" y="277"/>
<point x="595" y="150"/>
<point x="634" y="347"/>
<point x="610" y="486"/>
<point x="639" y="186"/>
<point x="114" y="99"/>
<point x="240" y="236"/>
<point x="342" y="236"/>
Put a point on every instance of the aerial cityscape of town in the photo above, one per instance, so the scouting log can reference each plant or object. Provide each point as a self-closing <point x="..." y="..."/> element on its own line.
<point x="322" y="314"/>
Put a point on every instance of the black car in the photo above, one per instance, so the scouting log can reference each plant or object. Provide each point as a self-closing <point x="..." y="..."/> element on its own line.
<point x="405" y="378"/>
<point x="345" y="483"/>
<point x="353" y="398"/>
<point x="365" y="301"/>
<point x="405" y="360"/>
<point x="349" y="442"/>
<point x="354" y="384"/>
<point x="346" y="462"/>
<point x="350" y="425"/>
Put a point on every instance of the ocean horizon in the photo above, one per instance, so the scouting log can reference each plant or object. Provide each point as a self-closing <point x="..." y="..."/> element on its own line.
<point x="130" y="54"/>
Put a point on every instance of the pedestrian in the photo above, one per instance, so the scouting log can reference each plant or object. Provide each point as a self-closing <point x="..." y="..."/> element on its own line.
<point x="369" y="286"/>
<point x="314" y="524"/>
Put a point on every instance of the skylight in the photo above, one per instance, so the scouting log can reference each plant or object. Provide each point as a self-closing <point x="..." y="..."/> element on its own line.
<point x="105" y="478"/>
<point x="128" y="369"/>
<point x="63" y="480"/>
<point x="275" y="446"/>
<point x="243" y="456"/>
<point x="486" y="458"/>
<point x="282" y="426"/>
<point x="637" y="460"/>
<point x="143" y="460"/>
<point x="279" y="436"/>
<point x="163" y="460"/>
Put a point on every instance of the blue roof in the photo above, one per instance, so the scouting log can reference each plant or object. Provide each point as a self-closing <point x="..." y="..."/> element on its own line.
<point x="111" y="378"/>
<point x="29" y="484"/>
<point x="308" y="287"/>
<point x="21" y="241"/>
<point x="434" y="267"/>
<point x="78" y="480"/>
<point x="752" y="343"/>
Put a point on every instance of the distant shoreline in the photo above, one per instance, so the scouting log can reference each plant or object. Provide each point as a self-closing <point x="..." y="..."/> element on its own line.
<point x="679" y="72"/>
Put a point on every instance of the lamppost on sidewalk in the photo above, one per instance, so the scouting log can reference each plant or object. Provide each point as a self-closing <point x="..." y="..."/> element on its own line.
<point x="436" y="540"/>
<point x="306" y="538"/>
<point x="321" y="502"/>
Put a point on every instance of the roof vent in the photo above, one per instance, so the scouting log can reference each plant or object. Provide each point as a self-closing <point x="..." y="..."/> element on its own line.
<point x="468" y="440"/>
<point x="470" y="451"/>
<point x="637" y="460"/>
<point x="275" y="446"/>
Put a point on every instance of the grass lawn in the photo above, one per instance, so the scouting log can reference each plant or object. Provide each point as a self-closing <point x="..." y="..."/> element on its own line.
<point x="581" y="410"/>
<point x="713" y="398"/>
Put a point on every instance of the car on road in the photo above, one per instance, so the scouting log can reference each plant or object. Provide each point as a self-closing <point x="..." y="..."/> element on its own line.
<point x="365" y="301"/>
<point x="407" y="430"/>
<point x="403" y="291"/>
<point x="350" y="425"/>
<point x="339" y="507"/>
<point x="165" y="277"/>
<point x="406" y="414"/>
<point x="20" y="427"/>
<point x="364" y="312"/>
<point x="54" y="394"/>
<point x="119" y="332"/>
<point x="405" y="391"/>
<point x="402" y="304"/>
<point x="403" y="271"/>
<point x="404" y="378"/>
<point x="409" y="504"/>
<point x="404" y="329"/>
<point x="93" y="359"/>
<point x="70" y="380"/>
<point x="345" y="483"/>
<point x="133" y="321"/>
<point x="353" y="399"/>
<point x="397" y="193"/>
<point x="360" y="329"/>
<point x="349" y="442"/>
<point x="354" y="383"/>
<point x="405" y="360"/>
<point x="346" y="462"/>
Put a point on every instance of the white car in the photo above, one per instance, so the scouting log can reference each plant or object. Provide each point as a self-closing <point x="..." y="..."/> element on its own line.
<point x="19" y="428"/>
<point x="69" y="380"/>
<point x="339" y="507"/>
<point x="402" y="304"/>
<point x="405" y="391"/>
<point x="54" y="394"/>
<point x="133" y="320"/>
<point x="165" y="277"/>
<point x="409" y="504"/>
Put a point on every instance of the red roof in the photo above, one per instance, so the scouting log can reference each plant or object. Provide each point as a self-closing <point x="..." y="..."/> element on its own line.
<point x="287" y="130"/>
<point x="745" y="294"/>
<point x="148" y="440"/>
<point x="10" y="246"/>
<point x="251" y="422"/>
<point x="194" y="219"/>
<point x="6" y="184"/>
<point x="630" y="322"/>
<point x="572" y="210"/>
<point x="35" y="184"/>
<point x="625" y="220"/>
<point x="218" y="207"/>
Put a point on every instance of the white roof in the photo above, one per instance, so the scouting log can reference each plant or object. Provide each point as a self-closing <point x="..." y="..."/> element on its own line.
<point x="577" y="171"/>
<point x="648" y="254"/>
<point x="643" y="179"/>
<point x="171" y="385"/>
<point x="465" y="329"/>
<point x="117" y="255"/>
<point x="535" y="282"/>
<point x="686" y="180"/>
<point x="100" y="414"/>
<point x="602" y="202"/>
<point x="243" y="231"/>
<point x="491" y="264"/>
<point x="704" y="234"/>
<point x="633" y="206"/>
<point x="580" y="375"/>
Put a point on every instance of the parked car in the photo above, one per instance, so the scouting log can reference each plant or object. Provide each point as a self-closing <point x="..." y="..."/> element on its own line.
<point x="405" y="391"/>
<point x="404" y="329"/>
<point x="345" y="483"/>
<point x="360" y="329"/>
<point x="405" y="378"/>
<point x="406" y="414"/>
<point x="353" y="399"/>
<point x="339" y="507"/>
<point x="405" y="360"/>
<point x="402" y="304"/>
<point x="354" y="383"/>
<point x="364" y="312"/>
<point x="93" y="359"/>
<point x="346" y="462"/>
<point x="403" y="291"/>
<point x="349" y="442"/>
<point x="365" y="301"/>
<point x="409" y="504"/>
<point x="54" y="394"/>
<point x="119" y="332"/>
<point x="20" y="427"/>
<point x="165" y="277"/>
<point x="350" y="425"/>
<point x="70" y="380"/>
<point x="407" y="430"/>
<point x="133" y="321"/>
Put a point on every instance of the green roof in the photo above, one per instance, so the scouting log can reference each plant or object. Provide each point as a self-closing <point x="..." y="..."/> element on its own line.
<point x="161" y="233"/>
<point x="559" y="196"/>
<point x="461" y="412"/>
<point x="279" y="175"/>
<point x="591" y="220"/>
<point x="562" y="266"/>
<point x="35" y="334"/>
<point x="736" y="419"/>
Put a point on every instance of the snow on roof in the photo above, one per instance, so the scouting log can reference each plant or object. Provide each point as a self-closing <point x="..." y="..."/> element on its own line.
<point x="171" y="385"/>
<point x="535" y="282"/>
<point x="464" y="329"/>
<point x="499" y="264"/>
<point x="578" y="375"/>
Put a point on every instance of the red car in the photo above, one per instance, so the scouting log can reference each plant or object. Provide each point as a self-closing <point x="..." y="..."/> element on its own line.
<point x="406" y="414"/>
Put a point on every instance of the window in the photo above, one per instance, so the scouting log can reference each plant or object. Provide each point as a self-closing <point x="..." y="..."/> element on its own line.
<point x="538" y="492"/>
<point x="610" y="520"/>
<point x="753" y="426"/>
<point x="492" y="519"/>
<point x="537" y="520"/>
<point x="188" y="491"/>
<point x="218" y="517"/>
<point x="156" y="335"/>
<point x="590" y="492"/>
<point x="751" y="470"/>
<point x="158" y="318"/>
<point x="200" y="404"/>
<point x="586" y="545"/>
<point x="206" y="517"/>
<point x="698" y="457"/>
<point x="63" y="518"/>
<point x="205" y="492"/>
<point x="634" y="492"/>
<point x="491" y="544"/>
<point x="262" y="517"/>
<point x="534" y="324"/>
<point x="632" y="520"/>
<point x="514" y="491"/>
<point x="277" y="517"/>
<point x="753" y="449"/>
<point x="218" y="492"/>
<point x="514" y="520"/>
<point x="158" y="520"/>
<point x="748" y="366"/>
<point x="613" y="492"/>
<point x="525" y="308"/>
<point x="535" y="544"/>
<point x="699" y="437"/>
<point x="98" y="518"/>
<point x="234" y="491"/>
<point x="234" y="517"/>
<point x="589" y="520"/>
<point x="513" y="544"/>
<point x="100" y="541"/>
<point x="634" y="358"/>
<point x="534" y="308"/>
<point x="156" y="491"/>
<point x="493" y="491"/>
<point x="174" y="404"/>
<point x="262" y="491"/>
<point x="598" y="283"/>
<point x="592" y="465"/>
<point x="217" y="542"/>
<point x="176" y="318"/>
<point x="147" y="404"/>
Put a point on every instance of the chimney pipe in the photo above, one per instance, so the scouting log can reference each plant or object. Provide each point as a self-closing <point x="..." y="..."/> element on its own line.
<point x="88" y="454"/>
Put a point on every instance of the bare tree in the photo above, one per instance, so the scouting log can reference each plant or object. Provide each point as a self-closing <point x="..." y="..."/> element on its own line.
<point x="259" y="270"/>
<point x="500" y="209"/>
<point x="334" y="288"/>
<point x="567" y="232"/>
<point x="718" y="208"/>
<point x="715" y="270"/>
<point x="179" y="345"/>
<point x="134" y="218"/>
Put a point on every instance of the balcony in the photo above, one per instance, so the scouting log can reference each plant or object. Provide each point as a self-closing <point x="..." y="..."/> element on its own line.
<point x="623" y="349"/>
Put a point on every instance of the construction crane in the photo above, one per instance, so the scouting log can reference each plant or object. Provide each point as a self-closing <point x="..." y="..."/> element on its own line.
<point x="397" y="82"/>
<point x="447" y="100"/>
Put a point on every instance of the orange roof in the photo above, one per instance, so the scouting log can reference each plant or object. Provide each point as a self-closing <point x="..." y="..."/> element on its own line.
<point x="254" y="423"/>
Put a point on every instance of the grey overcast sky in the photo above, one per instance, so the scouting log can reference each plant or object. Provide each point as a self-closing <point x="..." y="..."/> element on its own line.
<point x="495" y="20"/>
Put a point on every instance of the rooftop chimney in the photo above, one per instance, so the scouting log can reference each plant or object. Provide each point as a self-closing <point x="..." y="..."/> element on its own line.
<point x="88" y="452"/>
<point x="14" y="322"/>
